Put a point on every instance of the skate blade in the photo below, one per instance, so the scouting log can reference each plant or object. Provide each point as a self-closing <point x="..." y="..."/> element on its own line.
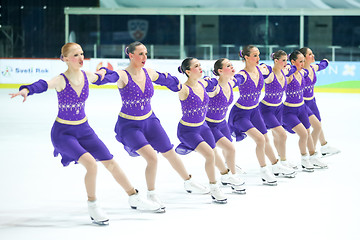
<point x="198" y="193"/>
<point x="238" y="191"/>
<point x="307" y="169"/>
<point x="320" y="167"/>
<point x="269" y="183"/>
<point x="159" y="210"/>
<point x="101" y="223"/>
<point x="223" y="201"/>
<point x="324" y="155"/>
<point x="220" y="201"/>
<point x="291" y="175"/>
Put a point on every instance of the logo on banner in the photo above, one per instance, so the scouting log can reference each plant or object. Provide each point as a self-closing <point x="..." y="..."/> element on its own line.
<point x="138" y="29"/>
<point x="7" y="72"/>
<point x="349" y="70"/>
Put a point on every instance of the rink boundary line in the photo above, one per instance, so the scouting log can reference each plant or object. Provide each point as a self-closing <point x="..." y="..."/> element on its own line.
<point x="112" y="86"/>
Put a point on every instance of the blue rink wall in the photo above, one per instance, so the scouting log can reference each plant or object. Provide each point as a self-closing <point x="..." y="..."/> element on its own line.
<point x="337" y="77"/>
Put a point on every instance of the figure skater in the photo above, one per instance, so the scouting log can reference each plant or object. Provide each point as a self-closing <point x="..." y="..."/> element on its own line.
<point x="271" y="106"/>
<point x="221" y="97"/>
<point x="309" y="98"/>
<point x="193" y="132"/>
<point x="137" y="127"/>
<point x="245" y="118"/>
<point x="295" y="117"/>
<point x="72" y="136"/>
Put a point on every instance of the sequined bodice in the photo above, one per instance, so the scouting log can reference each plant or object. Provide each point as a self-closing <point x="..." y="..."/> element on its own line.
<point x="193" y="108"/>
<point x="136" y="102"/>
<point x="71" y="106"/>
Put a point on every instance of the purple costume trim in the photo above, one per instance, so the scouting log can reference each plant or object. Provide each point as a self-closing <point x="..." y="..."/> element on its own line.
<point x="322" y="65"/>
<point x="171" y="82"/>
<point x="241" y="120"/>
<point x="37" y="87"/>
<point x="309" y="96"/>
<point x="217" y="110"/>
<point x="110" y="77"/>
<point x="73" y="140"/>
<point x="295" y="111"/>
<point x="220" y="130"/>
<point x="193" y="108"/>
<point x="134" y="129"/>
<point x="292" y="70"/>
<point x="191" y="137"/>
<point x="294" y="91"/>
<point x="272" y="116"/>
<point x="135" y="134"/>
<point x="212" y="82"/>
<point x="312" y="108"/>
<point x="135" y="102"/>
<point x="192" y="129"/>
<point x="249" y="92"/>
<point x="219" y="104"/>
<point x="271" y="105"/>
<point x="292" y="116"/>
<point x="309" y="85"/>
<point x="71" y="106"/>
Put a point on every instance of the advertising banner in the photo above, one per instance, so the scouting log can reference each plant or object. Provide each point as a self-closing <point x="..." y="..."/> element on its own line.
<point x="339" y="75"/>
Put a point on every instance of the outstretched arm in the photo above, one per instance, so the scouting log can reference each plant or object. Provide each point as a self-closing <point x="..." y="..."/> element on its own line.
<point x="165" y="79"/>
<point x="37" y="87"/>
<point x="322" y="65"/>
<point x="104" y="76"/>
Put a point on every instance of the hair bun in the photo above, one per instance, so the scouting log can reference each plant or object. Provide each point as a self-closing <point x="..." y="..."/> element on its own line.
<point x="180" y="70"/>
<point x="272" y="56"/>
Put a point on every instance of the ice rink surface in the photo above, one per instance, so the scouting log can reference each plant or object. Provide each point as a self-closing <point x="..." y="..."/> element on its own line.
<point x="40" y="199"/>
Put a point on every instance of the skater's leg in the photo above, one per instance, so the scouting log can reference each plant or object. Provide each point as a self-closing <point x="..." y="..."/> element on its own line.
<point x="280" y="137"/>
<point x="316" y="125"/>
<point x="149" y="154"/>
<point x="89" y="162"/>
<point x="177" y="164"/>
<point x="259" y="139"/>
<point x="228" y="151"/>
<point x="301" y="131"/>
<point x="119" y="176"/>
<point x="208" y="153"/>
<point x="269" y="152"/>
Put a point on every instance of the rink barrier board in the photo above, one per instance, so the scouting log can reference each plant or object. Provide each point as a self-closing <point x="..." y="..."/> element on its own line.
<point x="337" y="77"/>
<point x="317" y="89"/>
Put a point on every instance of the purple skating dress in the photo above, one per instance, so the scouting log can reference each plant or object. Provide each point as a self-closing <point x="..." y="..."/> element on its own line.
<point x="271" y="106"/>
<point x="71" y="134"/>
<point x="216" y="114"/>
<point x="309" y="97"/>
<point x="192" y="128"/>
<point x="245" y="113"/>
<point x="137" y="125"/>
<point x="294" y="111"/>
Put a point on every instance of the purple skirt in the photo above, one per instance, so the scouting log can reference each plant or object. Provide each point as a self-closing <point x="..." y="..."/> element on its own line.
<point x="191" y="137"/>
<point x="135" y="134"/>
<point x="241" y="120"/>
<point x="72" y="141"/>
<point x="220" y="130"/>
<point x="312" y="108"/>
<point x="292" y="116"/>
<point x="272" y="116"/>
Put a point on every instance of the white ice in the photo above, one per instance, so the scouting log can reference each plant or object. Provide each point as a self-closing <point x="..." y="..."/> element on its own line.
<point x="40" y="199"/>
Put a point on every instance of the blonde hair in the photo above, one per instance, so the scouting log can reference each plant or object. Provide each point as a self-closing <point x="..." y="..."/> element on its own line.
<point x="67" y="48"/>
